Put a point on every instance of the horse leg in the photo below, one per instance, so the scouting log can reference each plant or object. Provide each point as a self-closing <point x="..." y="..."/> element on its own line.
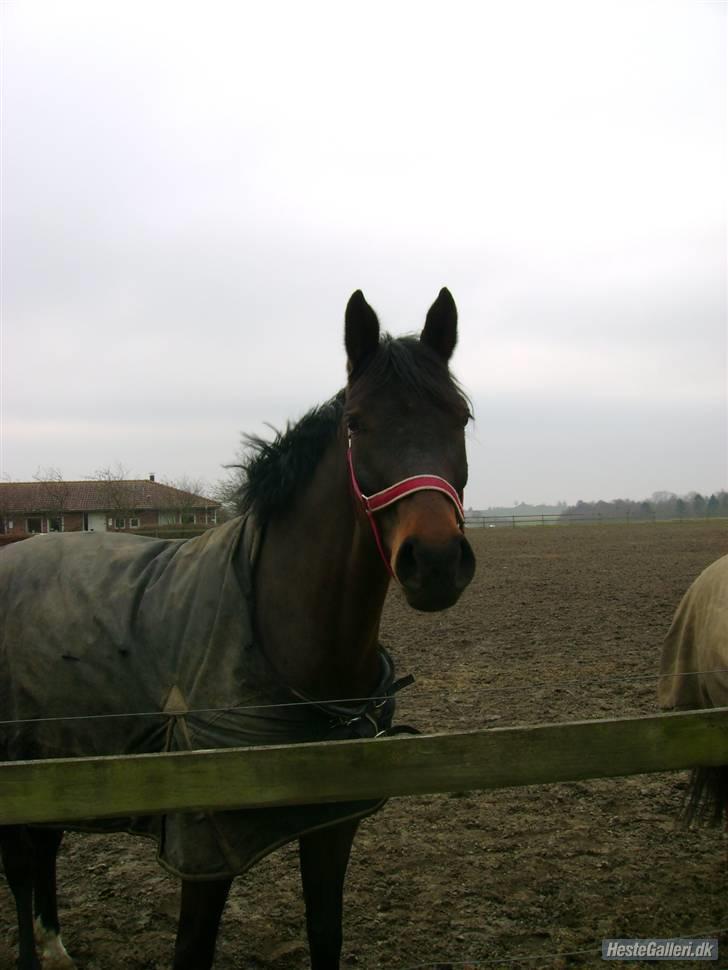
<point x="324" y="857"/>
<point x="16" y="849"/>
<point x="200" y="911"/>
<point x="46" y="843"/>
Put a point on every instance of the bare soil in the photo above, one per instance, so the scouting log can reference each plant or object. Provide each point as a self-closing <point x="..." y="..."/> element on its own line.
<point x="561" y="623"/>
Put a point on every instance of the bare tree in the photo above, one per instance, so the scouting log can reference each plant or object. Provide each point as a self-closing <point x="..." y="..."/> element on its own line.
<point x="230" y="489"/>
<point x="184" y="501"/>
<point x="5" y="506"/>
<point x="113" y="480"/>
<point x="55" y="493"/>
<point x="226" y="491"/>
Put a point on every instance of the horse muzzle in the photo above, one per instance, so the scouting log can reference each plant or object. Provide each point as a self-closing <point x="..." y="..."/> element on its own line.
<point x="433" y="574"/>
<point x="431" y="559"/>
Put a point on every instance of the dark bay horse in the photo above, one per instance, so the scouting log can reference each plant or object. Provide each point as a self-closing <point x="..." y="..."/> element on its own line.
<point x="363" y="489"/>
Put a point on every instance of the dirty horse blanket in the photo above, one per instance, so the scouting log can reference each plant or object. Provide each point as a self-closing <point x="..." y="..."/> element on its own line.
<point x="111" y="624"/>
<point x="698" y="641"/>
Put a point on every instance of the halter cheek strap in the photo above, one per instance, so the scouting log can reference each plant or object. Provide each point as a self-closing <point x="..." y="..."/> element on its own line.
<point x="388" y="496"/>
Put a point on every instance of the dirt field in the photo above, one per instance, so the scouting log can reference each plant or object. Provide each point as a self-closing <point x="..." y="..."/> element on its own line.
<point x="559" y="624"/>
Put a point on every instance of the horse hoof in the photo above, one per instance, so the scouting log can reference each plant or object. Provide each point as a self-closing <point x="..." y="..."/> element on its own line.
<point x="53" y="954"/>
<point x="57" y="962"/>
<point x="56" y="959"/>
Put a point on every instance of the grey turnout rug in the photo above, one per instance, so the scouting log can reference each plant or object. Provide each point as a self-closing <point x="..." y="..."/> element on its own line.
<point x="698" y="641"/>
<point x="157" y="633"/>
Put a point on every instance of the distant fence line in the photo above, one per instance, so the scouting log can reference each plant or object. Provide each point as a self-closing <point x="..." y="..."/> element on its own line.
<point x="474" y="520"/>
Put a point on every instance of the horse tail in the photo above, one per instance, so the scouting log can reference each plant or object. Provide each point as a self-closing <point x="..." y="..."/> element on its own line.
<point x="706" y="800"/>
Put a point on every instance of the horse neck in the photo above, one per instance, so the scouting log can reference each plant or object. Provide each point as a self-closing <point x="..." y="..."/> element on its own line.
<point x="320" y="588"/>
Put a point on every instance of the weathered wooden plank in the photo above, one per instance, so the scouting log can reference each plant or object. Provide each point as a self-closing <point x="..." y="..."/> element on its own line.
<point x="71" y="790"/>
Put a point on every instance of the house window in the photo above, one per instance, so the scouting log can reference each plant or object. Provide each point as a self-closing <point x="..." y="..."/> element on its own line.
<point x="119" y="523"/>
<point x="187" y="518"/>
<point x="55" y="523"/>
<point x="167" y="518"/>
<point x="133" y="522"/>
<point x="34" y="525"/>
<point x="212" y="516"/>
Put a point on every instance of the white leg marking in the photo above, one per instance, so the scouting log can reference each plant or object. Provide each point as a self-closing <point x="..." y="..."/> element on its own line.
<point x="52" y="952"/>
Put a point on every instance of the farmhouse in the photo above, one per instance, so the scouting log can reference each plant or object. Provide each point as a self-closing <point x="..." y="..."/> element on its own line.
<point x="96" y="506"/>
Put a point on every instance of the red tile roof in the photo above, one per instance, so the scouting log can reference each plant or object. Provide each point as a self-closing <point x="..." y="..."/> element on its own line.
<point x="97" y="497"/>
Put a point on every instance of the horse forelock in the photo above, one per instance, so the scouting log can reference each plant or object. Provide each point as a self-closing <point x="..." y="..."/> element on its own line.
<point x="407" y="362"/>
<point x="274" y="471"/>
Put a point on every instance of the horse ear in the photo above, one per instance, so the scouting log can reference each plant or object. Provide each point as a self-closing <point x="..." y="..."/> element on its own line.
<point x="361" y="332"/>
<point x="441" y="325"/>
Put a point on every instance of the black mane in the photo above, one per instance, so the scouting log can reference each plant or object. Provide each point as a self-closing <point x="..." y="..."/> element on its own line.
<point x="272" y="472"/>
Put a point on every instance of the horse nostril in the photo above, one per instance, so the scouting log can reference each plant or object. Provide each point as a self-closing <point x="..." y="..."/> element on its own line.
<point x="419" y="564"/>
<point x="466" y="566"/>
<point x="406" y="567"/>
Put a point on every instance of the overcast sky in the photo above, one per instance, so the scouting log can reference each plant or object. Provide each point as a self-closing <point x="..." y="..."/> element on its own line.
<point x="192" y="191"/>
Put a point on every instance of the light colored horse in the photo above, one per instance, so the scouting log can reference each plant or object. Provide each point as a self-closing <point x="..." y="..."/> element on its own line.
<point x="694" y="674"/>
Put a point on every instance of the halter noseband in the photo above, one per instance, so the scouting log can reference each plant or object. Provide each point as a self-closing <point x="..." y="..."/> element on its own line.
<point x="388" y="496"/>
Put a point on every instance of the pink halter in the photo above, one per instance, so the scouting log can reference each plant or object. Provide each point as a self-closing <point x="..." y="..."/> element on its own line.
<point x="388" y="496"/>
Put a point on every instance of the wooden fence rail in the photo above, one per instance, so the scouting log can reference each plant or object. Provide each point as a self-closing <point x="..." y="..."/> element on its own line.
<point x="80" y="788"/>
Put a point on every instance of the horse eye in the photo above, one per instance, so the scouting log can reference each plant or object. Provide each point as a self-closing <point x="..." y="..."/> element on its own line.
<point x="353" y="423"/>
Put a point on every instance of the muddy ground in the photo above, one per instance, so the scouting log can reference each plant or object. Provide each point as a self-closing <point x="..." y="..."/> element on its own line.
<point x="561" y="623"/>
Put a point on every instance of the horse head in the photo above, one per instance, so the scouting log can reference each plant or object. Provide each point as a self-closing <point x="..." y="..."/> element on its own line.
<point x="406" y="419"/>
